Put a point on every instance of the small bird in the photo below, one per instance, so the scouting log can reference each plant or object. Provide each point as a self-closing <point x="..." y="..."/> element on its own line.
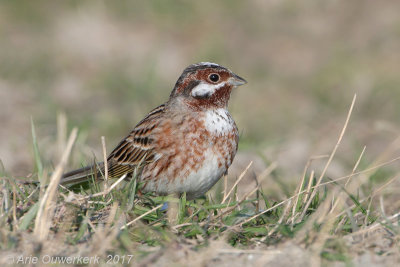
<point x="184" y="145"/>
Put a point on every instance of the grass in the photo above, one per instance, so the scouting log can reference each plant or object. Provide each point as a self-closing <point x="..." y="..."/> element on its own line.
<point x="106" y="64"/>
<point x="118" y="224"/>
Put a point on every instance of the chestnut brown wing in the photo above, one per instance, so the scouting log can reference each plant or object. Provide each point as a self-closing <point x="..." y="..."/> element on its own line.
<point x="135" y="149"/>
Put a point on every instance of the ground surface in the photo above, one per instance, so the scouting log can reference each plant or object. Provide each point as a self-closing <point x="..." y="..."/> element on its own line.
<point x="101" y="66"/>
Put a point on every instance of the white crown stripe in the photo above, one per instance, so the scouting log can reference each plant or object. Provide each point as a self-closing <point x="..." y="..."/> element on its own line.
<point x="207" y="64"/>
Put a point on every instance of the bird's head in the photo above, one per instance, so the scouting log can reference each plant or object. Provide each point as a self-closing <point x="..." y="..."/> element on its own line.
<point x="206" y="85"/>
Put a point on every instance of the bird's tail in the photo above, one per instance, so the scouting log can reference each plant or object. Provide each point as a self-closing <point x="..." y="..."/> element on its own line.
<point x="83" y="174"/>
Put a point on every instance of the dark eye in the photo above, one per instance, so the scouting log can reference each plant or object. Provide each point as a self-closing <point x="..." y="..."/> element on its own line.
<point x="214" y="77"/>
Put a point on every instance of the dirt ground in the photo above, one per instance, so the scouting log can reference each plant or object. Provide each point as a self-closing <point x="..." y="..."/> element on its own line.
<point x="104" y="65"/>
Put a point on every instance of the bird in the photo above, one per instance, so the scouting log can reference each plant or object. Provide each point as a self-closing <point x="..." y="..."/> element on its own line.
<point x="182" y="146"/>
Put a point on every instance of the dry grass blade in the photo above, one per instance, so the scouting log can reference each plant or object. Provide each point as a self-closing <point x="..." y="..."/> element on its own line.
<point x="325" y="215"/>
<point x="321" y="184"/>
<point x="111" y="216"/>
<point x="15" y="206"/>
<point x="238" y="202"/>
<point x="356" y="165"/>
<point x="327" y="211"/>
<point x="267" y="171"/>
<point x="392" y="220"/>
<point x="141" y="216"/>
<point x="336" y="202"/>
<point x="46" y="207"/>
<point x="307" y="192"/>
<point x="373" y="194"/>
<point x="103" y="143"/>
<point x="105" y="192"/>
<point x="301" y="185"/>
<point x="330" y="157"/>
<point x="284" y="213"/>
<point x="374" y="168"/>
<point x="265" y="211"/>
<point x="61" y="133"/>
<point x="237" y="181"/>
<point x="225" y="186"/>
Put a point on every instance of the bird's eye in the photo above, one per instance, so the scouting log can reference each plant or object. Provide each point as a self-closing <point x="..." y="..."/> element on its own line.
<point x="214" y="77"/>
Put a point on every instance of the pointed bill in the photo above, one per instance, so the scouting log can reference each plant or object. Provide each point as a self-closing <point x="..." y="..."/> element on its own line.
<point x="236" y="80"/>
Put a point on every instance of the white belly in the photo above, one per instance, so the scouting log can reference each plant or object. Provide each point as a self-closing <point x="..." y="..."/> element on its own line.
<point x="199" y="182"/>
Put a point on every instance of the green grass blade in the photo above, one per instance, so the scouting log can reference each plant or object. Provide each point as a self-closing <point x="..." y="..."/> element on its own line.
<point x="38" y="161"/>
<point x="28" y="217"/>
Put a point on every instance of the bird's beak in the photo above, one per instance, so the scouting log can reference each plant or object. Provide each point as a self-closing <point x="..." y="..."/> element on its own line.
<point x="236" y="80"/>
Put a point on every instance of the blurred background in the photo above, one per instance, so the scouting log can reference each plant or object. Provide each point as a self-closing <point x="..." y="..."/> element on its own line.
<point x="105" y="64"/>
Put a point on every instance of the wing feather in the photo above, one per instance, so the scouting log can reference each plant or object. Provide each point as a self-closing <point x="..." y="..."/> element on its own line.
<point x="138" y="146"/>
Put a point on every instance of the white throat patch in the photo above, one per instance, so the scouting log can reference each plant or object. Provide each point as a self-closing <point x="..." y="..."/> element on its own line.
<point x="205" y="89"/>
<point x="219" y="121"/>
